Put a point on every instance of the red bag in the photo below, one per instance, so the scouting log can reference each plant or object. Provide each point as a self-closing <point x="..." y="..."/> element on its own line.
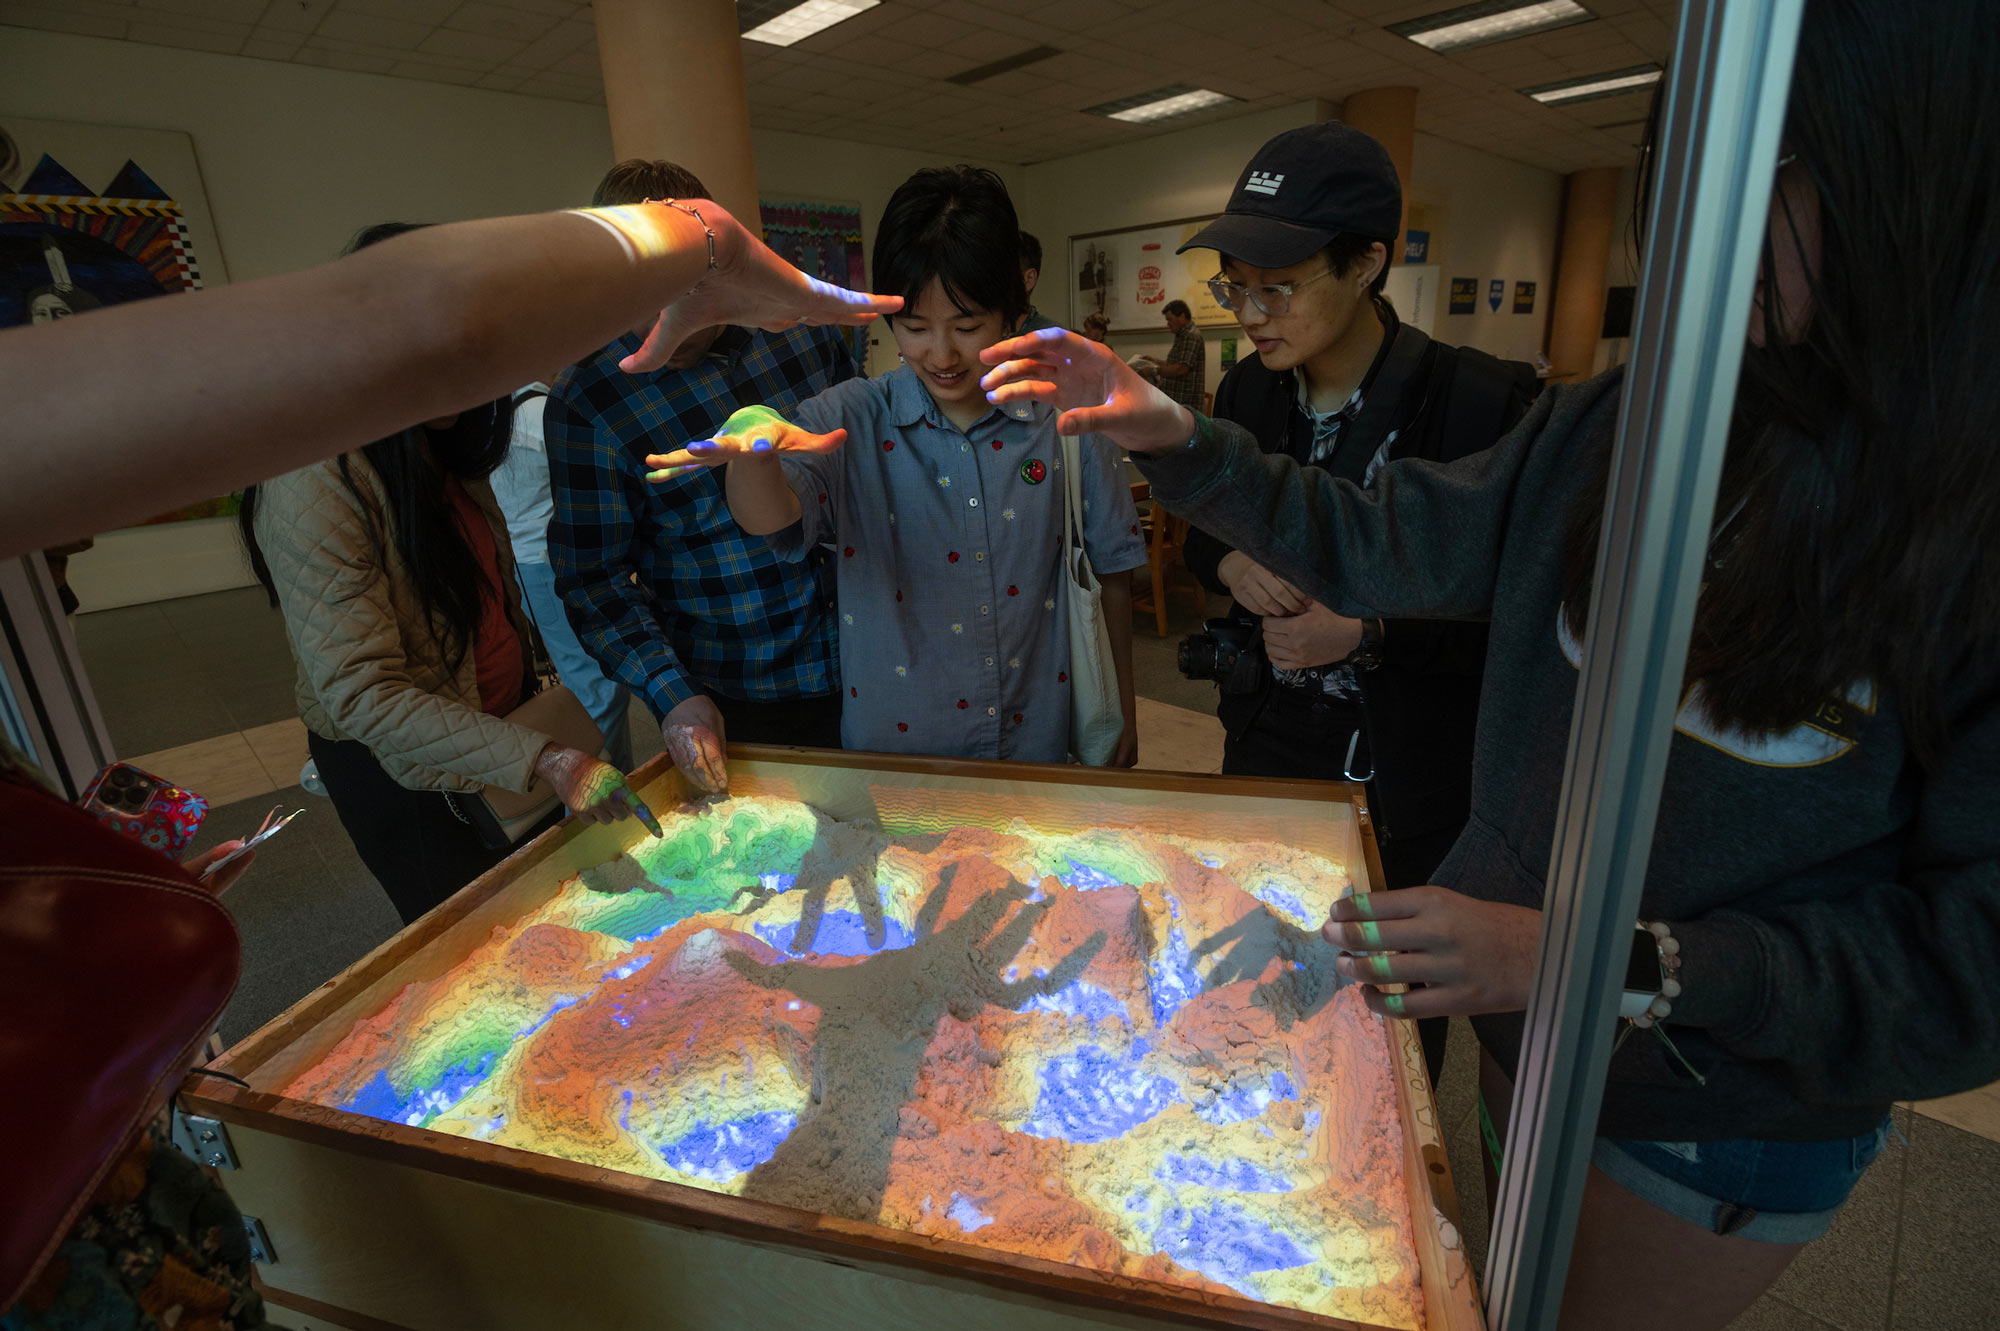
<point x="114" y="968"/>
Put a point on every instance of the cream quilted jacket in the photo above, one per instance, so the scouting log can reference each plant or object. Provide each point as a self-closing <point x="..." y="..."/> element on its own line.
<point x="369" y="669"/>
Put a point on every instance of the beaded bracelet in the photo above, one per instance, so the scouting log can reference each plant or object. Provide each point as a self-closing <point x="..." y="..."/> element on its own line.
<point x="1662" y="1006"/>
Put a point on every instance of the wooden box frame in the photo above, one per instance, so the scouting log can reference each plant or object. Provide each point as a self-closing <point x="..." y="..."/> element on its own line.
<point x="377" y="1226"/>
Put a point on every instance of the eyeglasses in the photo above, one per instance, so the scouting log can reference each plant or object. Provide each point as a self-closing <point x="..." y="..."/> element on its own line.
<point x="1274" y="299"/>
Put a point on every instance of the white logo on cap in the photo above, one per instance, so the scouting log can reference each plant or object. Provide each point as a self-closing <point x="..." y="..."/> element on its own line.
<point x="1264" y="182"/>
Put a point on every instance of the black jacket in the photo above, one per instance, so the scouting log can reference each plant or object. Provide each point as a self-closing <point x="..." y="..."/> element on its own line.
<point x="1419" y="707"/>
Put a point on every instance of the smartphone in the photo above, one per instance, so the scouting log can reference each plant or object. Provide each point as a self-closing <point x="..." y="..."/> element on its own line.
<point x="145" y="808"/>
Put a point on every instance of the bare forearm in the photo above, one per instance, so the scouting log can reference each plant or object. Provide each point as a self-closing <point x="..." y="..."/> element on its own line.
<point x="141" y="408"/>
<point x="760" y="499"/>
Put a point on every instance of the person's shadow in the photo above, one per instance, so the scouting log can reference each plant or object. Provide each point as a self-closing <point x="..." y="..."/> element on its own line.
<point x="1306" y="980"/>
<point x="876" y="1019"/>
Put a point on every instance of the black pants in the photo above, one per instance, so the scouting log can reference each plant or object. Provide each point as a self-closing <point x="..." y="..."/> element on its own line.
<point x="409" y="839"/>
<point x="811" y="722"/>
<point x="1303" y="733"/>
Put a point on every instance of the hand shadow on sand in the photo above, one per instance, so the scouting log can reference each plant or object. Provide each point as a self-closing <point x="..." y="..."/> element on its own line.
<point x="876" y="1019"/>
<point x="1306" y="980"/>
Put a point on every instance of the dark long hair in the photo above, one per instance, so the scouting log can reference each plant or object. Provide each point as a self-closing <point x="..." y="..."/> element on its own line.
<point x="419" y="520"/>
<point x="1854" y="536"/>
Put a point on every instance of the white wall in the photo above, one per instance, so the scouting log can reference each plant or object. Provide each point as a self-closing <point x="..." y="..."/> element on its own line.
<point x="1489" y="217"/>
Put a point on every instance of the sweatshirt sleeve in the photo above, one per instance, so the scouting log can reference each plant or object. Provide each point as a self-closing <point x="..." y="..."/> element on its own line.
<point x="1423" y="544"/>
<point x="1886" y="993"/>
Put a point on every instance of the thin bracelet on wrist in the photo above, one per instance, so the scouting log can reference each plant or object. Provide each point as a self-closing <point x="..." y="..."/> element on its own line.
<point x="707" y="230"/>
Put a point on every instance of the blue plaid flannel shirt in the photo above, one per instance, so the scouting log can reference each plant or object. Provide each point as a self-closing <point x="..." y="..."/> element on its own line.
<point x="712" y="610"/>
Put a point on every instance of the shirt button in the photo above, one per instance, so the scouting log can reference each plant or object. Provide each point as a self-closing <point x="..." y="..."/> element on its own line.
<point x="984" y="608"/>
<point x="965" y="448"/>
<point x="973" y="502"/>
<point x="990" y="711"/>
<point x="989" y="660"/>
<point x="978" y="554"/>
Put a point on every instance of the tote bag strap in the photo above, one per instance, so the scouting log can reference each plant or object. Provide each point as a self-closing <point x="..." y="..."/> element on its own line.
<point x="1072" y="463"/>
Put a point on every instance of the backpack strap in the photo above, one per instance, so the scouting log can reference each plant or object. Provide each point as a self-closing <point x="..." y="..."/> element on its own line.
<point x="1473" y="399"/>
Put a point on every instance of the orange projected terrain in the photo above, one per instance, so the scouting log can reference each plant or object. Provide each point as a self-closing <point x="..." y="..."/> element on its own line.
<point x="1126" y="1051"/>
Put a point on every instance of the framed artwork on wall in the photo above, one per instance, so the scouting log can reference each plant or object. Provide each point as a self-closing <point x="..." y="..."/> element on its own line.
<point x="822" y="240"/>
<point x="97" y="215"/>
<point x="1129" y="275"/>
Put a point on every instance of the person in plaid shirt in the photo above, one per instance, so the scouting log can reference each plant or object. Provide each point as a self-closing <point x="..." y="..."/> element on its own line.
<point x="1183" y="374"/>
<point x="723" y="638"/>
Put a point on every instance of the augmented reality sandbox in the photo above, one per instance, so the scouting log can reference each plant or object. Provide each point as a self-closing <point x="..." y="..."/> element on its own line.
<point x="1125" y="1051"/>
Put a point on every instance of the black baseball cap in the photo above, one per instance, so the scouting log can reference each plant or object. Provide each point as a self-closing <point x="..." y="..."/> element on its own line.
<point x="1302" y="189"/>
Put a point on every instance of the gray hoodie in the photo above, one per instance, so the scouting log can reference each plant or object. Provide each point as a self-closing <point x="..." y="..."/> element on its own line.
<point x="1838" y="906"/>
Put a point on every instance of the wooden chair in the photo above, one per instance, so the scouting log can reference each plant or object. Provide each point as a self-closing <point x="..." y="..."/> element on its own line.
<point x="1165" y="536"/>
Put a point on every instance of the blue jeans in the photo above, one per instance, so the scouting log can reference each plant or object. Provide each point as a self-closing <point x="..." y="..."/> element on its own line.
<point x="602" y="698"/>
<point x="1771" y="1192"/>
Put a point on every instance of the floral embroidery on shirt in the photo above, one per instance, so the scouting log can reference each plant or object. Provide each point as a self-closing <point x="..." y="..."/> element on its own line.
<point x="1049" y="604"/>
<point x="952" y="558"/>
<point x="888" y="445"/>
<point x="902" y="670"/>
<point x="944" y="480"/>
<point x="1062" y="676"/>
<point x="1007" y="513"/>
<point x="963" y="704"/>
<point x="902" y="725"/>
<point x="1013" y="591"/>
<point x="958" y="628"/>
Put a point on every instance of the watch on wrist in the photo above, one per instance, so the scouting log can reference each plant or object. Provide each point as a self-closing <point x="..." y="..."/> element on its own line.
<point x="1368" y="655"/>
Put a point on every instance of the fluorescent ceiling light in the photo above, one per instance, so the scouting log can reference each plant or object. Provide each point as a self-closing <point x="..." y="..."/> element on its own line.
<point x="1491" y="21"/>
<point x="1594" y="85"/>
<point x="1161" y="104"/>
<point x="801" y="21"/>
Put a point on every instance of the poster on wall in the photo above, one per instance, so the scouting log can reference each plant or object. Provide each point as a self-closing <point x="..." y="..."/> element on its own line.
<point x="1464" y="295"/>
<point x="1496" y="291"/>
<point x="1129" y="276"/>
<point x="1524" y="298"/>
<point x="1416" y="246"/>
<point x="1412" y="290"/>
<point x="97" y="215"/>
<point x="822" y="240"/>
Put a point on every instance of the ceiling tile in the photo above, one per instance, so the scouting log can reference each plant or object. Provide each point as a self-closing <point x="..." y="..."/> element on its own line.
<point x="294" y="15"/>
<point x="232" y="11"/>
<point x="189" y="38"/>
<point x="393" y="33"/>
<point x="564" y="39"/>
<point x="57" y="20"/>
<point x="498" y="21"/>
<point x="471" y="45"/>
<point x="429" y="13"/>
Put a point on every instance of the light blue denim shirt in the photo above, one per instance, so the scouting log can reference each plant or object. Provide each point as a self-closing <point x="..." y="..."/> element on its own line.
<point x="954" y="638"/>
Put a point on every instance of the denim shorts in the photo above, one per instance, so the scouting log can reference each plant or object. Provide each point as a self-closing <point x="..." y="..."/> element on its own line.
<point x="1770" y="1192"/>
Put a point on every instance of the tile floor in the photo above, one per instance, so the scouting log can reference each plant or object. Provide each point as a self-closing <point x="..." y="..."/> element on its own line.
<point x="200" y="690"/>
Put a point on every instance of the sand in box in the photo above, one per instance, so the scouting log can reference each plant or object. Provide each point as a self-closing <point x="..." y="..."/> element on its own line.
<point x="1125" y="1051"/>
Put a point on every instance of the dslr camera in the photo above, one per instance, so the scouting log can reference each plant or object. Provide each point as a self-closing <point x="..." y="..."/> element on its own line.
<point x="1228" y="651"/>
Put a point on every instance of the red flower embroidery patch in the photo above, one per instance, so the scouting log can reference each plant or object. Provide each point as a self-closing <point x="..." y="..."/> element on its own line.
<point x="902" y="725"/>
<point x="953" y="556"/>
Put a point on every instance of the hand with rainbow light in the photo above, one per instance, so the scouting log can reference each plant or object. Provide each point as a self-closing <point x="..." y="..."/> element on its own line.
<point x="752" y="432"/>
<point x="749" y="285"/>
<point x="592" y="788"/>
<point x="1096" y="392"/>
<point x="1462" y="956"/>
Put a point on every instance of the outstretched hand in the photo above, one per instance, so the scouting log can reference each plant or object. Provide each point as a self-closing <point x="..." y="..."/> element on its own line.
<point x="1096" y="392"/>
<point x="1465" y="956"/>
<point x="750" y="286"/>
<point x="752" y="432"/>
